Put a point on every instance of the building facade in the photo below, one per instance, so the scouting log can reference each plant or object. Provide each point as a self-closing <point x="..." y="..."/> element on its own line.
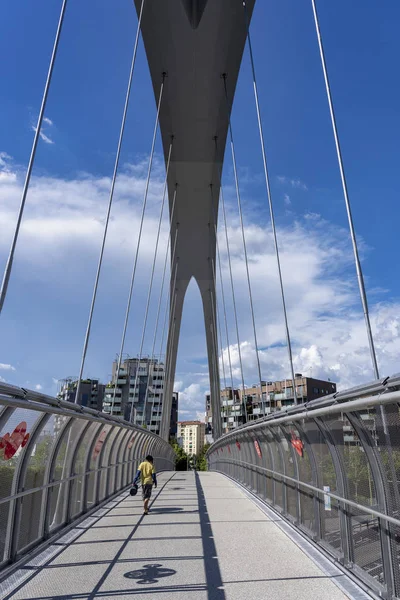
<point x="191" y="434"/>
<point x="173" y="428"/>
<point x="277" y="395"/>
<point x="238" y="407"/>
<point x="91" y="393"/>
<point x="139" y="387"/>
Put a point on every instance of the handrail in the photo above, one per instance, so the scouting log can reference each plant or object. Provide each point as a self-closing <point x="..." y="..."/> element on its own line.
<point x="337" y="404"/>
<point x="345" y="448"/>
<point x="17" y="397"/>
<point x="53" y="471"/>
<point x="357" y="505"/>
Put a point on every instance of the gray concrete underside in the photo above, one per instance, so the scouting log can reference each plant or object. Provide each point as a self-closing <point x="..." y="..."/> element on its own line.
<point x="194" y="42"/>
<point x="204" y="539"/>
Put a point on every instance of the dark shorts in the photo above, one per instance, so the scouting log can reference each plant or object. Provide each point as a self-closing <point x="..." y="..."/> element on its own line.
<point x="146" y="491"/>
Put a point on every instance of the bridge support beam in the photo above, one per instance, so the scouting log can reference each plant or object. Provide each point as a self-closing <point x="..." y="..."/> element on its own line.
<point x="194" y="44"/>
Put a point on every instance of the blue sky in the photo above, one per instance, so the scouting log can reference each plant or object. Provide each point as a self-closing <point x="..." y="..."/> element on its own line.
<point x="42" y="324"/>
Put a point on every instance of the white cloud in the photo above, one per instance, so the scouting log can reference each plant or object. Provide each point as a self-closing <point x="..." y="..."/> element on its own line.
<point x="286" y="199"/>
<point x="48" y="121"/>
<point x="43" y="136"/>
<point x="4" y="160"/>
<point x="6" y="174"/>
<point x="64" y="221"/>
<point x="6" y="367"/>
<point x="60" y="239"/>
<point x="325" y="318"/>
<point x="295" y="183"/>
<point x="46" y="139"/>
<point x="191" y="398"/>
<point x="38" y="387"/>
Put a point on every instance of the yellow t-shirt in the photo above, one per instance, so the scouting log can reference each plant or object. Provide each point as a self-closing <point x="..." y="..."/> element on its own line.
<point x="146" y="469"/>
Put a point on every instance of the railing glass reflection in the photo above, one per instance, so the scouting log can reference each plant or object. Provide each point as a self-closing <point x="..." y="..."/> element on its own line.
<point x="333" y="470"/>
<point x="57" y="461"/>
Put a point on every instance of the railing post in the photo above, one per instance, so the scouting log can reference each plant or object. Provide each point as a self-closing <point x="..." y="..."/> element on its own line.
<point x="98" y="471"/>
<point x="315" y="479"/>
<point x="72" y="483"/>
<point x="380" y="484"/>
<point x="342" y="487"/>
<point x="86" y="472"/>
<point x="14" y="515"/>
<point x="277" y="442"/>
<point x="44" y="513"/>
<point x="114" y="484"/>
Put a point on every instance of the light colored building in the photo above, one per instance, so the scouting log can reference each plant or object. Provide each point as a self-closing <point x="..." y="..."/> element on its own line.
<point x="192" y="435"/>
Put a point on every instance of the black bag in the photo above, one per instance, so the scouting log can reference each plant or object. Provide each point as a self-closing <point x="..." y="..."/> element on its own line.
<point x="134" y="489"/>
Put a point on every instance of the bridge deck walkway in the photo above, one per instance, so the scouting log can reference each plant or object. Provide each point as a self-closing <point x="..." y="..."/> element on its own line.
<point x="204" y="539"/>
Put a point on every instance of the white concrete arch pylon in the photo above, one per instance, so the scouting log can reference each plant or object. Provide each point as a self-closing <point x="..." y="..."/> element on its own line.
<point x="194" y="111"/>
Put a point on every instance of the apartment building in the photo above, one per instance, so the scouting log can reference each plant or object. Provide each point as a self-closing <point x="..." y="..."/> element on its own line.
<point x="279" y="394"/>
<point x="238" y="407"/>
<point x="138" y="387"/>
<point x="91" y="392"/>
<point x="191" y="434"/>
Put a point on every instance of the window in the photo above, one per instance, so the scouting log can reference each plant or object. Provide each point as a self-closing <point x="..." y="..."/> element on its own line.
<point x="316" y="391"/>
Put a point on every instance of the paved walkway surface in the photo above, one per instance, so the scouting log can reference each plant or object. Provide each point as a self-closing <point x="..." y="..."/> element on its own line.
<point x="204" y="539"/>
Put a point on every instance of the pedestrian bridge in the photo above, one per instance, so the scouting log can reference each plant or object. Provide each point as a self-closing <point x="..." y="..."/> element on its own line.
<point x="204" y="538"/>
<point x="303" y="503"/>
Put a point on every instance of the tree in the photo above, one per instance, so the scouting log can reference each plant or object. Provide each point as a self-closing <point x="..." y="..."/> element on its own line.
<point x="181" y="457"/>
<point x="201" y="458"/>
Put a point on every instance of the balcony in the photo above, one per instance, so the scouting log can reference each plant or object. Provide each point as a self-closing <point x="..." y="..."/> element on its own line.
<point x="111" y="394"/>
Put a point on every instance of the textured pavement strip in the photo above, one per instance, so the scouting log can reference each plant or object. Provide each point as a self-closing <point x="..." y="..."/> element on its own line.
<point x="204" y="539"/>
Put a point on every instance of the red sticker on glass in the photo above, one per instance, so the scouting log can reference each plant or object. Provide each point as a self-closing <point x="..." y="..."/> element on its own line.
<point x="297" y="444"/>
<point x="257" y="447"/>
<point x="11" y="443"/>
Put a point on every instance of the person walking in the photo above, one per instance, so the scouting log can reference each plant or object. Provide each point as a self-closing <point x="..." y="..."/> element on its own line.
<point x="147" y="474"/>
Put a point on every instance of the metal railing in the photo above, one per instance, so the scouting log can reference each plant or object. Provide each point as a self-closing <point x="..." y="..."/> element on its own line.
<point x="58" y="460"/>
<point x="332" y="468"/>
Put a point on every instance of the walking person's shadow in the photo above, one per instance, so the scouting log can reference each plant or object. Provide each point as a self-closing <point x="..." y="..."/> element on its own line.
<point x="149" y="574"/>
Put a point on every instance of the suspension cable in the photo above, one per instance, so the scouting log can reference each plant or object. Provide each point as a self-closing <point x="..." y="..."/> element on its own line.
<point x="7" y="271"/>
<point x="110" y="201"/>
<point x="243" y="237"/>
<point x="226" y="321"/>
<point x="139" y="237"/>
<point x="217" y="429"/>
<point x="218" y="331"/>
<point x="168" y="353"/>
<point x="220" y="337"/>
<point x="163" y="424"/>
<point x="152" y="278"/>
<point x="171" y="311"/>
<point x="213" y="325"/>
<point x="223" y="298"/>
<point x="233" y="299"/>
<point x="161" y="295"/>
<point x="218" y="321"/>
<point x="271" y="208"/>
<point x="360" y="277"/>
